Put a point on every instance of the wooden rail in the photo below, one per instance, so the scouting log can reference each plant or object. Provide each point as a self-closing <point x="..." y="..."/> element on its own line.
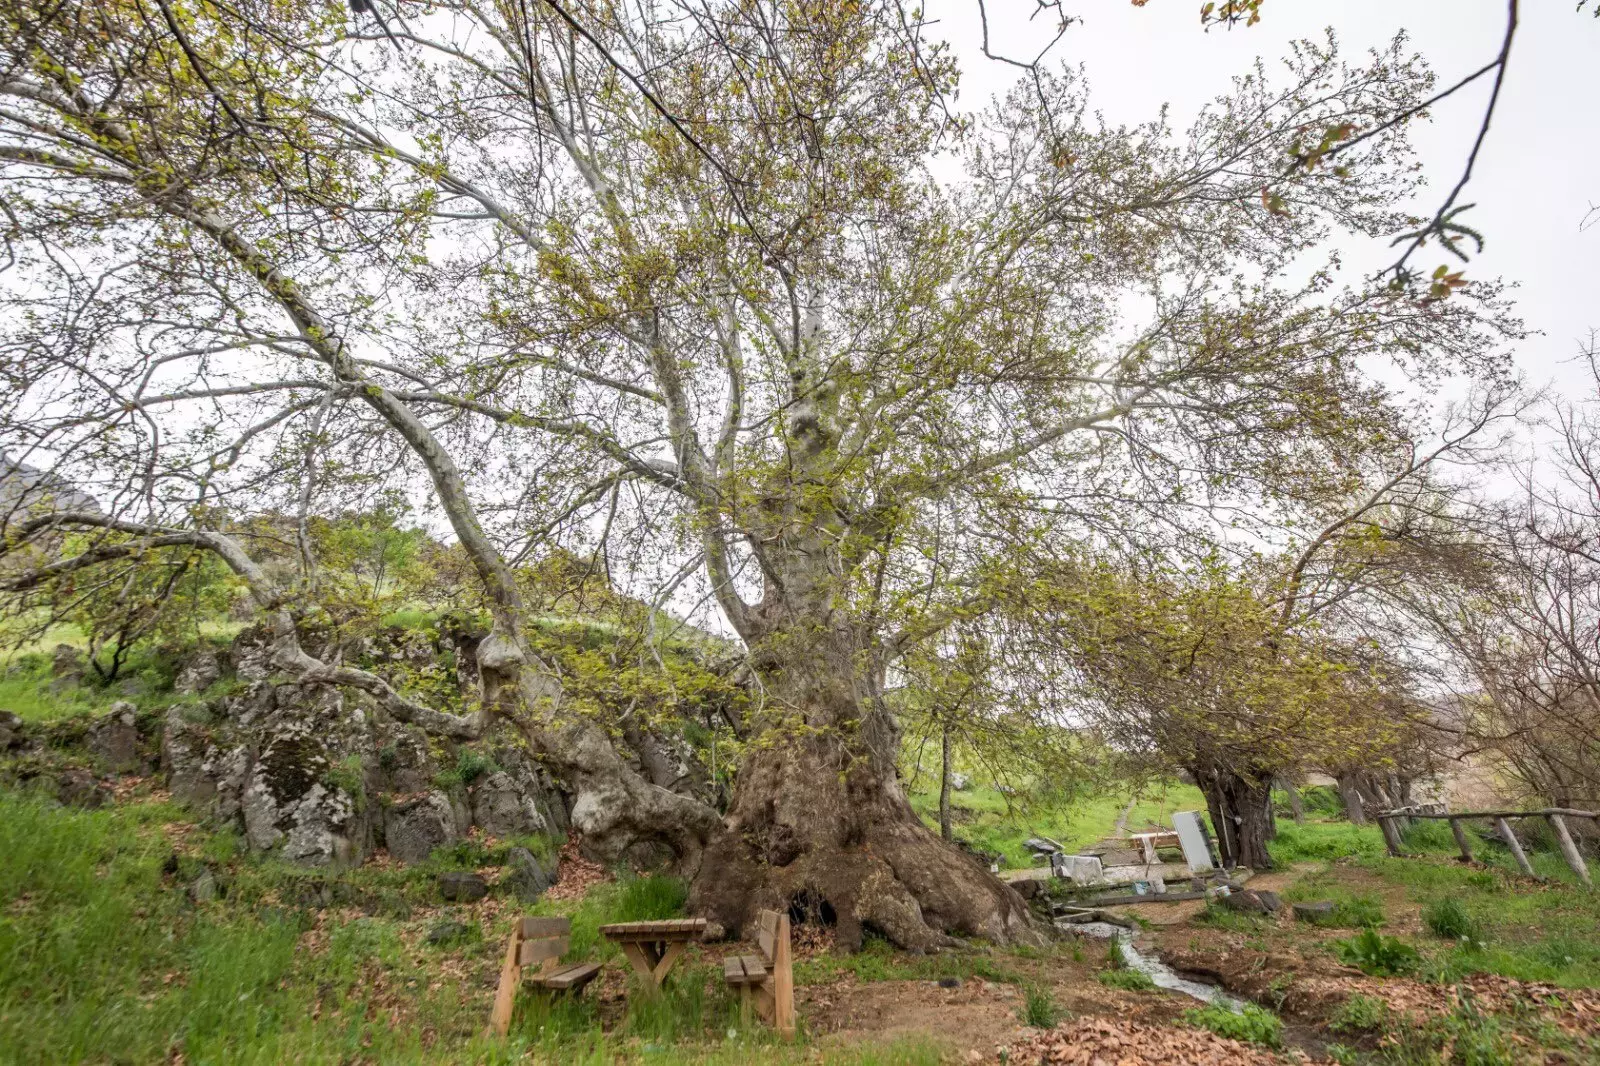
<point x="1556" y="816"/>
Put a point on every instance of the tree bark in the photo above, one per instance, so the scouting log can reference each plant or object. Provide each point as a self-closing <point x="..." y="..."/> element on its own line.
<point x="1350" y="792"/>
<point x="945" y="831"/>
<point x="1296" y="805"/>
<point x="1241" y="813"/>
<point x="819" y="822"/>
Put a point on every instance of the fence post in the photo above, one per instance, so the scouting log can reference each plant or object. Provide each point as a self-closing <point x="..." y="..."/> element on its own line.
<point x="1569" y="849"/>
<point x="1391" y="836"/>
<point x="1461" y="839"/>
<point x="1515" y="845"/>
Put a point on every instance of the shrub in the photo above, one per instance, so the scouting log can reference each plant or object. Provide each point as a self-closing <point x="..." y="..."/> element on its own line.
<point x="1358" y="912"/>
<point x="1360" y="1014"/>
<point x="1380" y="956"/>
<point x="1449" y="919"/>
<point x="1252" y="1024"/>
<point x="1128" y="980"/>
<point x="1039" y="1008"/>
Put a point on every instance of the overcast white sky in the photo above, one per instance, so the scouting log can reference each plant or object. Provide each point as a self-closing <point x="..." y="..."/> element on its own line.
<point x="1536" y="179"/>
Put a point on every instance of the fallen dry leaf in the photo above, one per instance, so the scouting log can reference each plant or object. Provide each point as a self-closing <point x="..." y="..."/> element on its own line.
<point x="1109" y="1042"/>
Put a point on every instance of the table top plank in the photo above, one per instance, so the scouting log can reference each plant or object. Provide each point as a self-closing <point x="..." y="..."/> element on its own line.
<point x="670" y="929"/>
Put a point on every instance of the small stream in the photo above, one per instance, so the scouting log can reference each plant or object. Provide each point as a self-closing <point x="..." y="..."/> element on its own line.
<point x="1152" y="967"/>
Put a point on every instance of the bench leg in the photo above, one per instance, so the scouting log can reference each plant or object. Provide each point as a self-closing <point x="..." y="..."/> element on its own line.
<point x="745" y="998"/>
<point x="783" y="982"/>
<point x="506" y="994"/>
<point x="766" y="1005"/>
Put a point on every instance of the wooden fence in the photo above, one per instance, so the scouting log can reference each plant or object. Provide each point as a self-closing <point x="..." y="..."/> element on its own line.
<point x="1556" y="816"/>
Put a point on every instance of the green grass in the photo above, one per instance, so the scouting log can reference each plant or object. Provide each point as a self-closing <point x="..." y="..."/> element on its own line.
<point x="29" y="688"/>
<point x="1251" y="1024"/>
<point x="1324" y="841"/>
<point x="1464" y="1037"/>
<point x="1360" y="1014"/>
<point x="630" y="899"/>
<point x="1448" y="919"/>
<point x="1548" y="933"/>
<point x="104" y="959"/>
<point x="998" y="824"/>
<point x="1128" y="980"/>
<point x="1217" y="916"/>
<point x="878" y="961"/>
<point x="25" y="690"/>
<point x="1381" y="956"/>
<point x="1039" y="1009"/>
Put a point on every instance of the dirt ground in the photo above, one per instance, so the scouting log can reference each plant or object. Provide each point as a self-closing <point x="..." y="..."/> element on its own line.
<point x="1283" y="965"/>
<point x="980" y="1015"/>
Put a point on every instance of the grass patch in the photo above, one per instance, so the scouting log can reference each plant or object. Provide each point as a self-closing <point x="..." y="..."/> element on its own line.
<point x="103" y="958"/>
<point x="1039" y="1008"/>
<point x="631" y="899"/>
<point x="1548" y="933"/>
<point x="997" y="824"/>
<point x="106" y="960"/>
<point x="878" y="961"/>
<point x="1464" y="1037"/>
<point x="1447" y="918"/>
<point x="1351" y="909"/>
<point x="1324" y="841"/>
<point x="1373" y="953"/>
<point x="1127" y="980"/>
<point x="1360" y="1014"/>
<point x="1219" y="917"/>
<point x="1252" y="1024"/>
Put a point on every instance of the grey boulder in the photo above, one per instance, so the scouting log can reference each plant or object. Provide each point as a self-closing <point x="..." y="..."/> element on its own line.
<point x="526" y="876"/>
<point x="114" y="739"/>
<point x="77" y="787"/>
<point x="1250" y="901"/>
<point x="198" y="674"/>
<point x="417" y="826"/>
<point x="458" y="887"/>
<point x="1315" y="912"/>
<point x="503" y="808"/>
<point x="11" y="733"/>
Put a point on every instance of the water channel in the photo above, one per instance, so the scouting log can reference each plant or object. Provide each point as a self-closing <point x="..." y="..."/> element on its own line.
<point x="1152" y="967"/>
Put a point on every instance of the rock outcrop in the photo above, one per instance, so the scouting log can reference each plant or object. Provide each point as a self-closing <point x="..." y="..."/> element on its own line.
<point x="114" y="739"/>
<point x="200" y="672"/>
<point x="321" y="776"/>
<point x="416" y="826"/>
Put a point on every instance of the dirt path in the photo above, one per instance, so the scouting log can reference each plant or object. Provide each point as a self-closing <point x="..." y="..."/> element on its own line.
<point x="978" y="1015"/>
<point x="1121" y="828"/>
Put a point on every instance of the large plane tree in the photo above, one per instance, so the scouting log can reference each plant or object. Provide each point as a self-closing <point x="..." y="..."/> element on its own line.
<point x="730" y="291"/>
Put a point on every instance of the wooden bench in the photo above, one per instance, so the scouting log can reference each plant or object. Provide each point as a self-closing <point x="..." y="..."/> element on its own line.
<point x="766" y="981"/>
<point x="541" y="942"/>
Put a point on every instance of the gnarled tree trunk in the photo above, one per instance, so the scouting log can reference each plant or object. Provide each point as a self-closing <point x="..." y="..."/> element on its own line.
<point x="1241" y="813"/>
<point x="819" y="822"/>
<point x="1355" y="807"/>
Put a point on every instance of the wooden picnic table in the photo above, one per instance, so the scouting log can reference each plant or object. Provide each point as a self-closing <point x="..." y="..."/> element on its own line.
<point x="653" y="948"/>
